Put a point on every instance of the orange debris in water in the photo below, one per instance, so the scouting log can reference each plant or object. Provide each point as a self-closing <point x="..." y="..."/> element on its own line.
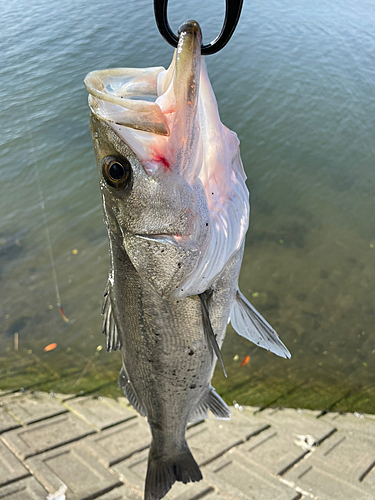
<point x="245" y="360"/>
<point x="62" y="313"/>
<point x="50" y="347"/>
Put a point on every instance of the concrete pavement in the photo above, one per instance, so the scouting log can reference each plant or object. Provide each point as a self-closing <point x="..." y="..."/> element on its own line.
<point x="98" y="448"/>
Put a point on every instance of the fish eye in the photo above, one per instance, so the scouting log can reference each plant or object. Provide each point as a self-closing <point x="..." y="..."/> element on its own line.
<point x="116" y="172"/>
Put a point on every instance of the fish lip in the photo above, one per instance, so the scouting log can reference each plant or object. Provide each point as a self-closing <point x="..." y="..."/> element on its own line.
<point x="190" y="26"/>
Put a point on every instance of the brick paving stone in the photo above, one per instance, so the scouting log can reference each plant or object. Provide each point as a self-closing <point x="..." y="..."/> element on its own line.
<point x="243" y="481"/>
<point x="119" y="442"/>
<point x="246" y="410"/>
<point x="210" y="440"/>
<point x="316" y="480"/>
<point x="242" y="423"/>
<point x="189" y="491"/>
<point x="133" y="470"/>
<point x="349" y="455"/>
<point x="300" y="422"/>
<point x="122" y="493"/>
<point x="216" y="495"/>
<point x="73" y="466"/>
<point x="31" y="407"/>
<point x="286" y="442"/>
<point x="350" y="422"/>
<point x="62" y="397"/>
<point x="240" y="457"/>
<point x="11" y="468"/>
<point x="45" y="435"/>
<point x="26" y="489"/>
<point x="3" y="393"/>
<point x="273" y="449"/>
<point x="309" y="413"/>
<point x="368" y="481"/>
<point x="179" y="491"/>
<point x="124" y="402"/>
<point x="7" y="422"/>
<point x="101" y="412"/>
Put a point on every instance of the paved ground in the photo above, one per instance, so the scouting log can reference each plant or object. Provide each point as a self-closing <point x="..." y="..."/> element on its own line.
<point x="97" y="447"/>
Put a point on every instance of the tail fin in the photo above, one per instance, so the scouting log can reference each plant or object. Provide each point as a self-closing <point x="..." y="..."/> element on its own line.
<point x="162" y="473"/>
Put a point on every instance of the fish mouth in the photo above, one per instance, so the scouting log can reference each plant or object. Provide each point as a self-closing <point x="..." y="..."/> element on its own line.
<point x="125" y="96"/>
<point x="128" y="97"/>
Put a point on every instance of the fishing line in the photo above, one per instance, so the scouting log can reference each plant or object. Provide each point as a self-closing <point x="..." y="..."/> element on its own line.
<point x="43" y="206"/>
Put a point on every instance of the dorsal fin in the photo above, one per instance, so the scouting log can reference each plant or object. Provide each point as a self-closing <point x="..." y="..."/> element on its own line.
<point x="249" y="323"/>
<point x="109" y="327"/>
<point x="209" y="333"/>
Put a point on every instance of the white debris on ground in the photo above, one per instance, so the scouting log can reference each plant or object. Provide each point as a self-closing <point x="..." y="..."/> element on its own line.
<point x="307" y="442"/>
<point x="59" y="495"/>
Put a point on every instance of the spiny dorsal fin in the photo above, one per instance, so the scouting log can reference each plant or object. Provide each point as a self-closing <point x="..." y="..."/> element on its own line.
<point x="213" y="402"/>
<point x="209" y="333"/>
<point x="109" y="327"/>
<point x="248" y="323"/>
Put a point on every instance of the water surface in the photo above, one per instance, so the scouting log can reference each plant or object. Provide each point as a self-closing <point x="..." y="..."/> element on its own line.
<point x="296" y="83"/>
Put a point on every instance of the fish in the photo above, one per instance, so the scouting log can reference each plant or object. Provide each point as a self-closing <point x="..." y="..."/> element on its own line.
<point x="176" y="209"/>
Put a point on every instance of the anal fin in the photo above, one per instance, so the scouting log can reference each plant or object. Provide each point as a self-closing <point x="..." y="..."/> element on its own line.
<point x="213" y="402"/>
<point x="249" y="323"/>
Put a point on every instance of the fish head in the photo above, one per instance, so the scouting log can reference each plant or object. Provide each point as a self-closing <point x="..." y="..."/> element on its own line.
<point x="159" y="220"/>
<point x="170" y="174"/>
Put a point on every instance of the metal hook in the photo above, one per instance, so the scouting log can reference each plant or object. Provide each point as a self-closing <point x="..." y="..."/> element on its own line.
<point x="232" y="15"/>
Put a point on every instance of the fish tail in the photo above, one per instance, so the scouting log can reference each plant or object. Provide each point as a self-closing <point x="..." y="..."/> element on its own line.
<point x="163" y="472"/>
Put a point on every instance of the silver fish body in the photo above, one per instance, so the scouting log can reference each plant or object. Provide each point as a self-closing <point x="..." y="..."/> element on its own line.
<point x="176" y="211"/>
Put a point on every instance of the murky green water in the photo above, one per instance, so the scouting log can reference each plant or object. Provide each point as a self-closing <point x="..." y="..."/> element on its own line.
<point x="297" y="85"/>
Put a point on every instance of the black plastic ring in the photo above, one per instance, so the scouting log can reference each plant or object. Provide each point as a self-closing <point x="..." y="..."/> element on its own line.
<point x="232" y="15"/>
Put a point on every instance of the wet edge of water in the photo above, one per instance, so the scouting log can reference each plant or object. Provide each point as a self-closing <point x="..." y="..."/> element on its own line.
<point x="71" y="372"/>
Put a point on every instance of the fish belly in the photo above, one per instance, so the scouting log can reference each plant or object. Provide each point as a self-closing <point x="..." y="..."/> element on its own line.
<point x="164" y="352"/>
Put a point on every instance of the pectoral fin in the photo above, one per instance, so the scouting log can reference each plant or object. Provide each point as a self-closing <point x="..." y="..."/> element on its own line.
<point x="209" y="333"/>
<point x="250" y="324"/>
<point x="109" y="327"/>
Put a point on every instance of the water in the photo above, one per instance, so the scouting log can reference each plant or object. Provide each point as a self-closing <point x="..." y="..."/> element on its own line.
<point x="296" y="83"/>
